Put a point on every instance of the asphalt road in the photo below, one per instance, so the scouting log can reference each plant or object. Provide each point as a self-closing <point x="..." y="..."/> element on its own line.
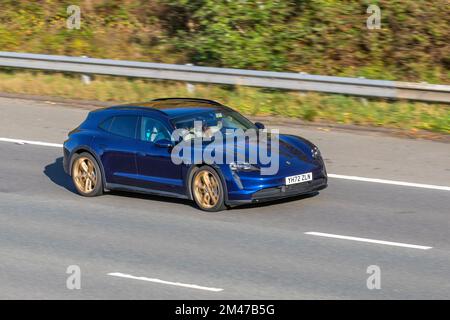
<point x="254" y="252"/>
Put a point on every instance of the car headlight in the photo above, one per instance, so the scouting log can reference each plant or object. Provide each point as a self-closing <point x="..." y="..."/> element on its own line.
<point x="243" y="166"/>
<point x="315" y="152"/>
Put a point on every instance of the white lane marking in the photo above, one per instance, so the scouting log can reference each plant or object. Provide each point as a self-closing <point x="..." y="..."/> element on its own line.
<point x="389" y="243"/>
<point x="38" y="143"/>
<point x="330" y="175"/>
<point x="192" y="286"/>
<point x="397" y="183"/>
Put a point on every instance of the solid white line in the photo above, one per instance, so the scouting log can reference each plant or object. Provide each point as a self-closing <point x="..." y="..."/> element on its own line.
<point x="389" y="243"/>
<point x="192" y="286"/>
<point x="38" y="143"/>
<point x="331" y="175"/>
<point x="393" y="182"/>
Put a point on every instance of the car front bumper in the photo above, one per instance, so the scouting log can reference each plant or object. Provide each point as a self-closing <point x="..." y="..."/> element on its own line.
<point x="283" y="191"/>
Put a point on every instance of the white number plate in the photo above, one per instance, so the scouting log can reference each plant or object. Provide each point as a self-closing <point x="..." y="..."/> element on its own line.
<point x="299" y="178"/>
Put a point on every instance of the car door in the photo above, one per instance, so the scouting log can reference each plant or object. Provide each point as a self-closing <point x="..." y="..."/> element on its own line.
<point x="155" y="167"/>
<point x="117" y="145"/>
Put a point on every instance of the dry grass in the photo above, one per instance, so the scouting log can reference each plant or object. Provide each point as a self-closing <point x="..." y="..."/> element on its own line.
<point x="251" y="101"/>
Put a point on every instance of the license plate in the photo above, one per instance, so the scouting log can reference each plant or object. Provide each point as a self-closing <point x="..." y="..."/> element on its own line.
<point x="299" y="178"/>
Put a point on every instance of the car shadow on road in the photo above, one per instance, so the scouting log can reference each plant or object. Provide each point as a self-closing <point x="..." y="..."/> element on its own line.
<point x="153" y="197"/>
<point x="275" y="202"/>
<point x="55" y="172"/>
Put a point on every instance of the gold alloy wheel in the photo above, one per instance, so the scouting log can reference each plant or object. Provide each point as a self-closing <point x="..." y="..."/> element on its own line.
<point x="206" y="189"/>
<point x="84" y="175"/>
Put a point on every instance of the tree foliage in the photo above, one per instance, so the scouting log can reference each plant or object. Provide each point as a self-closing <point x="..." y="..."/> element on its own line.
<point x="315" y="36"/>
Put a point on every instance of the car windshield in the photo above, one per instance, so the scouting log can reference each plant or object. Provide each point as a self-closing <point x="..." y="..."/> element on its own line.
<point x="213" y="121"/>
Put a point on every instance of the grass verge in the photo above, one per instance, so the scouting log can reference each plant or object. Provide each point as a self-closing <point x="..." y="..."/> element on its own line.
<point x="406" y="115"/>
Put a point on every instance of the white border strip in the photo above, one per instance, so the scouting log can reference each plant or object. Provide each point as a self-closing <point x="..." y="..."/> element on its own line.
<point x="330" y="175"/>
<point x="389" y="243"/>
<point x="397" y="183"/>
<point x="192" y="286"/>
<point x="38" y="143"/>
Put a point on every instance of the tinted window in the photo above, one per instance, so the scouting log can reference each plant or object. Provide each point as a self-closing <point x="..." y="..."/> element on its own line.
<point x="124" y="126"/>
<point x="225" y="119"/>
<point x="153" y="130"/>
<point x="105" y="125"/>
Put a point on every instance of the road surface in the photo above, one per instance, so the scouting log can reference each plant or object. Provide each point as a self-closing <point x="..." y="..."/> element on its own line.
<point x="146" y="247"/>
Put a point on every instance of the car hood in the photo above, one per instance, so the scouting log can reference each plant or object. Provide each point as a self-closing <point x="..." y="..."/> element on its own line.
<point x="294" y="152"/>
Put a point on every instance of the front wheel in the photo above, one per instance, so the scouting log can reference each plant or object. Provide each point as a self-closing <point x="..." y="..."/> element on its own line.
<point x="86" y="175"/>
<point x="207" y="190"/>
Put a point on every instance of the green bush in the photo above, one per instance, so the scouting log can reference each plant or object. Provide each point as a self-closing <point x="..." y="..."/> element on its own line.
<point x="316" y="36"/>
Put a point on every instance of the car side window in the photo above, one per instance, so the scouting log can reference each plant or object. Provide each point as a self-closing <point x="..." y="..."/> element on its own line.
<point x="153" y="130"/>
<point x="124" y="126"/>
<point x="105" y="125"/>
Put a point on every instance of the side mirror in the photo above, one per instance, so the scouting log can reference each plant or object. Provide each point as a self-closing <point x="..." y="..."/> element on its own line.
<point x="164" y="143"/>
<point x="259" y="125"/>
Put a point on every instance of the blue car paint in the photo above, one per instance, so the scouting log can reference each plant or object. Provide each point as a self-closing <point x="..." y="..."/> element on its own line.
<point x="140" y="166"/>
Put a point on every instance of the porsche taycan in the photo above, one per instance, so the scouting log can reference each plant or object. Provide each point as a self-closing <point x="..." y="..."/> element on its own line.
<point x="131" y="148"/>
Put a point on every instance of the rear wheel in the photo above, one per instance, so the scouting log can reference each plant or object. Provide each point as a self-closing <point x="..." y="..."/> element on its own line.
<point x="207" y="190"/>
<point x="86" y="175"/>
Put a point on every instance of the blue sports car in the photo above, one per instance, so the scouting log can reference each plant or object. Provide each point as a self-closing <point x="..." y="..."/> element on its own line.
<point x="153" y="147"/>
